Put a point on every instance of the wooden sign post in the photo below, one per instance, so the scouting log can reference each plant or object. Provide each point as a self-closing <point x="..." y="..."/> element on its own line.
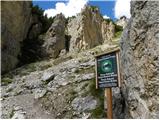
<point x="108" y="75"/>
<point x="108" y="92"/>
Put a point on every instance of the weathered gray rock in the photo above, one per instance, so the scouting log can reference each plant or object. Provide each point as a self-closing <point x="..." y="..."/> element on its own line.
<point x="48" y="76"/>
<point x="84" y="77"/>
<point x="139" y="60"/>
<point x="15" y="25"/>
<point x="82" y="104"/>
<point x="54" y="41"/>
<point x="38" y="93"/>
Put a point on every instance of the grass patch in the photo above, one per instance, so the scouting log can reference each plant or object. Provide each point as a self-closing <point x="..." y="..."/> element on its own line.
<point x="8" y="75"/>
<point x="25" y="70"/>
<point x="46" y="66"/>
<point x="72" y="93"/>
<point x="61" y="59"/>
<point x="85" y="71"/>
<point x="6" y="81"/>
<point x="118" y="34"/>
<point x="98" y="113"/>
<point x="11" y="114"/>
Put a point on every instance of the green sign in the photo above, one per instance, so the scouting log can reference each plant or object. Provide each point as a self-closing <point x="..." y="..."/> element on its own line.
<point x="107" y="70"/>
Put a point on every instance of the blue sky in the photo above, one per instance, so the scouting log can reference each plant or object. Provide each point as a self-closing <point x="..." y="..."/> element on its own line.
<point x="106" y="7"/>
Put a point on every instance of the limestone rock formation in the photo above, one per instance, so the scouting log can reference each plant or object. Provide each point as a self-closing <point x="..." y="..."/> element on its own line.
<point x="15" y="25"/>
<point x="122" y="21"/>
<point x="139" y="60"/>
<point x="88" y="29"/>
<point x="108" y="31"/>
<point x="54" y="40"/>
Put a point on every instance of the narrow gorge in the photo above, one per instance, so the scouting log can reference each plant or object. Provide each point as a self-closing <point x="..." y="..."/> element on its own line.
<point x="48" y="64"/>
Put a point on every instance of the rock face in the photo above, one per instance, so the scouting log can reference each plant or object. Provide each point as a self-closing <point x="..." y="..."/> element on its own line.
<point x="139" y="60"/>
<point x="108" y="31"/>
<point x="54" y="40"/>
<point x="15" y="20"/>
<point x="88" y="29"/>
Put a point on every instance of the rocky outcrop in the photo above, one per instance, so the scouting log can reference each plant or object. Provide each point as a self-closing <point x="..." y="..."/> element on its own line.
<point x="108" y="31"/>
<point x="54" y="40"/>
<point x="88" y="29"/>
<point x="139" y="60"/>
<point x="15" y="25"/>
<point x="122" y="21"/>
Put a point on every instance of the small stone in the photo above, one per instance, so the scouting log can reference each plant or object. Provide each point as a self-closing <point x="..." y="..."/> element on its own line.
<point x="58" y="114"/>
<point x="17" y="108"/>
<point x="48" y="76"/>
<point x="39" y="93"/>
<point x="73" y="70"/>
<point x="86" y="115"/>
<point x="19" y="115"/>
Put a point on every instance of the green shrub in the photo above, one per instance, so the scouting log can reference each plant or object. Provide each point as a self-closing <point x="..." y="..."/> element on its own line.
<point x="109" y="20"/>
<point x="94" y="7"/>
<point x="118" y="28"/>
<point x="6" y="81"/>
<point x="118" y="34"/>
<point x="46" y="22"/>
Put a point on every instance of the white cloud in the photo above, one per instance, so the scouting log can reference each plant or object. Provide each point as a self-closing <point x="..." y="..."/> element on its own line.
<point x="122" y="8"/>
<point x="71" y="8"/>
<point x="106" y="17"/>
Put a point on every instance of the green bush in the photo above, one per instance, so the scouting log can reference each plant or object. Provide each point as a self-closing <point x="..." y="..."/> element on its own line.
<point x="46" y="22"/>
<point x="118" y="34"/>
<point x="94" y="7"/>
<point x="118" y="28"/>
<point x="6" y="81"/>
<point x="109" y="20"/>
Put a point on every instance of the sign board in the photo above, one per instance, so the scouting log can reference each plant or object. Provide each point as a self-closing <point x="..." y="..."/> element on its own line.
<point x="107" y="70"/>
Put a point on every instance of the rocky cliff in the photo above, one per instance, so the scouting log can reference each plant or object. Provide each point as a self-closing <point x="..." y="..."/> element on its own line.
<point x="84" y="31"/>
<point x="14" y="28"/>
<point x="139" y="60"/>
<point x="31" y="47"/>
<point x="54" y="40"/>
<point x="89" y="29"/>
